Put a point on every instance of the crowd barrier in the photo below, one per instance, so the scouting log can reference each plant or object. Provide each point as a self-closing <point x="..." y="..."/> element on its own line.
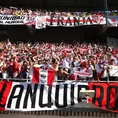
<point x="29" y="80"/>
<point x="75" y="108"/>
<point x="65" y="113"/>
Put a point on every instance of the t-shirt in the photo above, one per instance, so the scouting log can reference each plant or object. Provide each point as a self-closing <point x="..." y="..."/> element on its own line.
<point x="65" y="64"/>
<point x="15" y="66"/>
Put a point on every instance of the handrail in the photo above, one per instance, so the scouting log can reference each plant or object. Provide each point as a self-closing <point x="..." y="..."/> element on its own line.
<point x="29" y="80"/>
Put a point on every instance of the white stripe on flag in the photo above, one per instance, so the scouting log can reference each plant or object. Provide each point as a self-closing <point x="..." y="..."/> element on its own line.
<point x="43" y="76"/>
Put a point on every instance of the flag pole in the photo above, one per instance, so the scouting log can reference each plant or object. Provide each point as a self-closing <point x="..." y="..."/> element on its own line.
<point x="106" y="7"/>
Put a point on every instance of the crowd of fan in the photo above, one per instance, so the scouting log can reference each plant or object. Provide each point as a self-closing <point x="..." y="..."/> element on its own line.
<point x="16" y="11"/>
<point x="17" y="59"/>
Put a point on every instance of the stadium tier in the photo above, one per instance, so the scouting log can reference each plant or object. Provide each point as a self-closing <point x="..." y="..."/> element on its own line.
<point x="48" y="71"/>
<point x="53" y="60"/>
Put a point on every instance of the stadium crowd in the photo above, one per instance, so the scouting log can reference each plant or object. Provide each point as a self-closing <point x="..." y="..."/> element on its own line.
<point x="17" y="59"/>
<point x="21" y="11"/>
<point x="6" y="11"/>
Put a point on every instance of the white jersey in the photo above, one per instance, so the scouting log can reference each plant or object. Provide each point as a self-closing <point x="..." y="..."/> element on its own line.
<point x="65" y="64"/>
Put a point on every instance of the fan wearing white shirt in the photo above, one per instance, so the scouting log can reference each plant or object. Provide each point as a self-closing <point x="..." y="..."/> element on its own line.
<point x="65" y="64"/>
<point x="75" y="64"/>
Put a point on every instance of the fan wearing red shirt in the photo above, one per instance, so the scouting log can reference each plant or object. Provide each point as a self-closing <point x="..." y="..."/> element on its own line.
<point x="15" y="67"/>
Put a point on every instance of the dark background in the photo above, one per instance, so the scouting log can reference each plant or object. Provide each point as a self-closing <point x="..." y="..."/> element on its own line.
<point x="63" y="5"/>
<point x="58" y="34"/>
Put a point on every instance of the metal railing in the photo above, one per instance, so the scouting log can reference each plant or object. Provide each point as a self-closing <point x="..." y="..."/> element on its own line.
<point x="65" y="113"/>
<point x="29" y="80"/>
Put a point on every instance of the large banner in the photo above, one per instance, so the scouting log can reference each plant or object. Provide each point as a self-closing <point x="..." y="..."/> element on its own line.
<point x="43" y="21"/>
<point x="35" y="97"/>
<point x="71" y="21"/>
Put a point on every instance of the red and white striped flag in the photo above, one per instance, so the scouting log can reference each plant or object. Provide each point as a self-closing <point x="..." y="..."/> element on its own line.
<point x="75" y="75"/>
<point x="41" y="76"/>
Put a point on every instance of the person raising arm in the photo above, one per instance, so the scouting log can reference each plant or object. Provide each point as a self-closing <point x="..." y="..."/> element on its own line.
<point x="55" y="64"/>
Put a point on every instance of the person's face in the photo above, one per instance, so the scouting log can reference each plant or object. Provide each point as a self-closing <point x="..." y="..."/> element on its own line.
<point x="25" y="63"/>
<point x="90" y="63"/>
<point x="74" y="59"/>
<point x="112" y="62"/>
<point x="46" y="61"/>
<point x="108" y="57"/>
<point x="39" y="62"/>
<point x="56" y="62"/>
<point x="82" y="66"/>
<point x="102" y="58"/>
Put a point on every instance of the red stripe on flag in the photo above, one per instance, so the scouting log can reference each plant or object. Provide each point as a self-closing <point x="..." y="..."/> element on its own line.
<point x="51" y="76"/>
<point x="35" y="78"/>
<point x="101" y="74"/>
<point x="5" y="88"/>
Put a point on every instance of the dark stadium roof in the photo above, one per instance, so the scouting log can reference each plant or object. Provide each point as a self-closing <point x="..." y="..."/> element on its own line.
<point x="80" y="5"/>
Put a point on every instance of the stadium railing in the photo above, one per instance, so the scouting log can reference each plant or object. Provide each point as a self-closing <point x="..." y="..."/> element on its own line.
<point x="29" y="80"/>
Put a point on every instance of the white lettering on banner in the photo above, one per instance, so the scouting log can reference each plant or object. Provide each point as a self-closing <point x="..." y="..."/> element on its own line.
<point x="30" y="97"/>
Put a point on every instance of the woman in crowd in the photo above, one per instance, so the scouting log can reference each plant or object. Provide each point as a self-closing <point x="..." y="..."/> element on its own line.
<point x="62" y="74"/>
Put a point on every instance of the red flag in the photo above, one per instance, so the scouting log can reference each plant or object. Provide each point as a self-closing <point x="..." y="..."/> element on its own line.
<point x="43" y="76"/>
